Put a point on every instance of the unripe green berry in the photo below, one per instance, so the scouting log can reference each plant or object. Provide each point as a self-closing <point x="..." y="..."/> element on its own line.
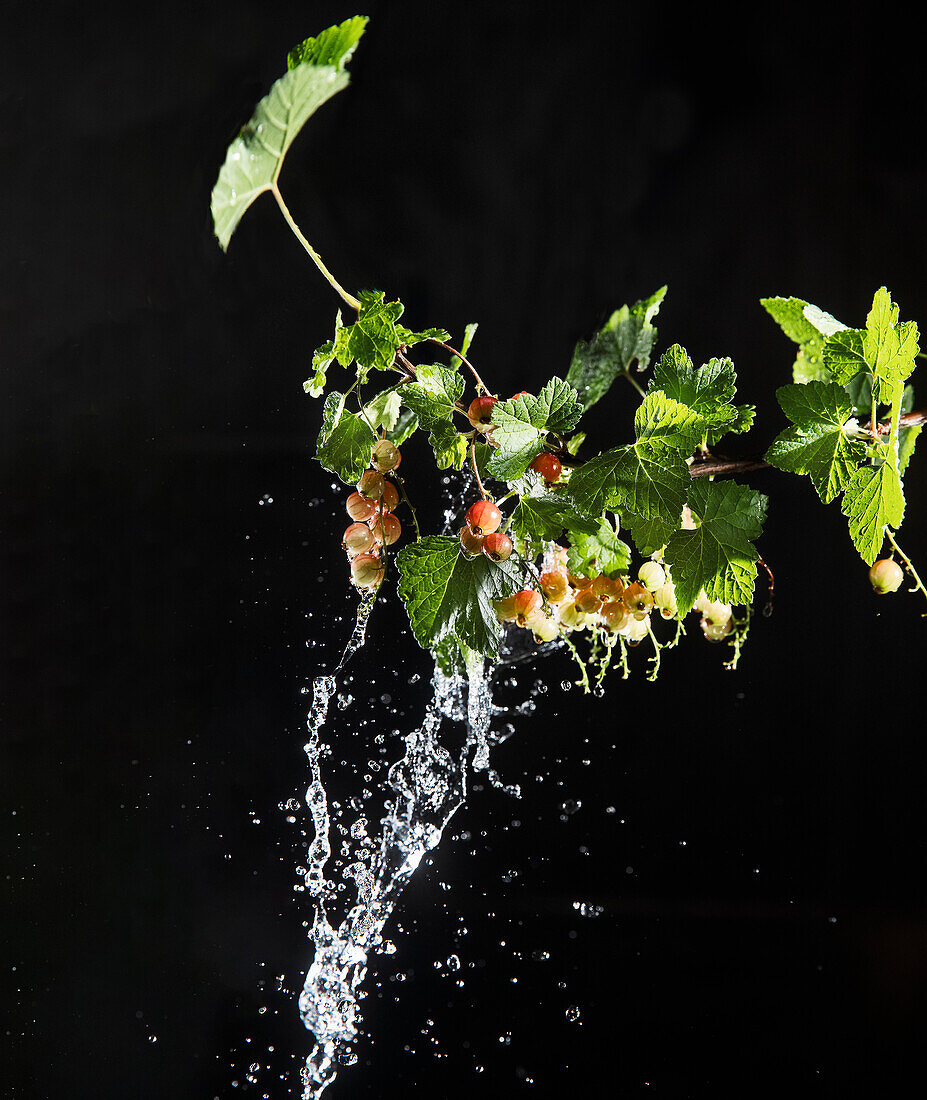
<point x="885" y="576"/>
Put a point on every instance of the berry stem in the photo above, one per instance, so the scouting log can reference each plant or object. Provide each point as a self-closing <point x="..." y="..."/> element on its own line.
<point x="584" y="681"/>
<point x="476" y="472"/>
<point x="404" y="495"/>
<point x="912" y="572"/>
<point x="655" y="659"/>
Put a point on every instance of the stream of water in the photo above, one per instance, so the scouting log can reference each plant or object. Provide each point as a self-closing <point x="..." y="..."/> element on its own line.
<point x="428" y="784"/>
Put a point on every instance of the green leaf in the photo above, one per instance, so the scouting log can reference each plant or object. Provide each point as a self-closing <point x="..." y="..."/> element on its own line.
<point x="708" y="391"/>
<point x="409" y="338"/>
<point x="627" y="336"/>
<point x="889" y="345"/>
<point x="322" y="359"/>
<point x="520" y="424"/>
<point x="448" y="595"/>
<point x="433" y="394"/>
<point x="345" y="441"/>
<point x="844" y="354"/>
<point x="873" y="499"/>
<point x="718" y="555"/>
<point x="543" y="516"/>
<point x="333" y="46"/>
<point x="662" y="419"/>
<point x="382" y="411"/>
<point x="907" y="437"/>
<point x="373" y="338"/>
<point x="599" y="552"/>
<point x="817" y="445"/>
<point x="406" y="424"/>
<point x="646" y="479"/>
<point x="574" y="443"/>
<point x="469" y="332"/>
<point x="449" y="445"/>
<point x="649" y="535"/>
<point x="254" y="159"/>
<point x="807" y="326"/>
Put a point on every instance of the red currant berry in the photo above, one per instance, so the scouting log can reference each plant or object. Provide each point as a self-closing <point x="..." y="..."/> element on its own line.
<point x="471" y="543"/>
<point x="548" y="466"/>
<point x="390" y="496"/>
<point x="521" y="393"/>
<point x="358" y="539"/>
<point x="497" y="546"/>
<point x="360" y="508"/>
<point x="370" y="485"/>
<point x="367" y="571"/>
<point x="885" y="576"/>
<point x="386" y="526"/>
<point x="385" y="456"/>
<point x="484" y="517"/>
<point x="527" y="601"/>
<point x="480" y="412"/>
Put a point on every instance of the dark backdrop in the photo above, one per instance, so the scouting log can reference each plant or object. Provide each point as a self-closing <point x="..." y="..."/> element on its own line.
<point x="755" y="840"/>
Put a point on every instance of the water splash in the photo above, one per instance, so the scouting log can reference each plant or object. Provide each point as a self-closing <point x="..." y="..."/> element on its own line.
<point x="429" y="784"/>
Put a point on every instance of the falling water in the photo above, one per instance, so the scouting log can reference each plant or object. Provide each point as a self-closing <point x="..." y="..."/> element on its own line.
<point x="429" y="784"/>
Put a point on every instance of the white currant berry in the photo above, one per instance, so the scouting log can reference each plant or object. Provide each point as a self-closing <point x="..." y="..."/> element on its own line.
<point x="665" y="600"/>
<point x="885" y="576"/>
<point x="636" y="629"/>
<point x="716" y="631"/>
<point x="543" y="628"/>
<point x="651" y="575"/>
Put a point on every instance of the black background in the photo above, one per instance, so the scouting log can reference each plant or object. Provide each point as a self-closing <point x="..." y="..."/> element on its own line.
<point x="172" y="577"/>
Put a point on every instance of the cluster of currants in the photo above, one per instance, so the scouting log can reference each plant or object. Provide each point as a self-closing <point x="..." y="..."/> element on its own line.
<point x="371" y="509"/>
<point x="565" y="602"/>
<point x="481" y="535"/>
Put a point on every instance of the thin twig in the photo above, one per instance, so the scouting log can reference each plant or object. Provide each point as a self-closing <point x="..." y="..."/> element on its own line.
<point x="447" y="347"/>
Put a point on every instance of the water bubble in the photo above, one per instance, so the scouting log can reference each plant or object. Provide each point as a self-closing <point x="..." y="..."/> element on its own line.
<point x="570" y="806"/>
<point x="573" y="1013"/>
<point x="453" y="962"/>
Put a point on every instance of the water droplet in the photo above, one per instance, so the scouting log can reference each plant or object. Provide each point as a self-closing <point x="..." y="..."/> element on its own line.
<point x="573" y="1013"/>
